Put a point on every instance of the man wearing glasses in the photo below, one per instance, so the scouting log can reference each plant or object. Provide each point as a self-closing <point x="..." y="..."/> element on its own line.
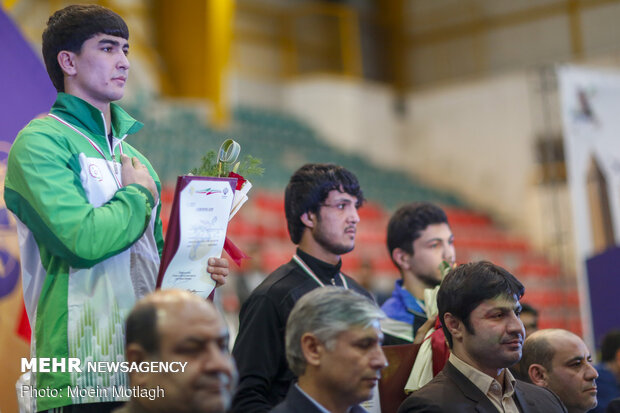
<point x="321" y="202"/>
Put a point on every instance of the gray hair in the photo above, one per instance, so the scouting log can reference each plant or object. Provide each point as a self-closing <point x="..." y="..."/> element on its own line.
<point x="326" y="313"/>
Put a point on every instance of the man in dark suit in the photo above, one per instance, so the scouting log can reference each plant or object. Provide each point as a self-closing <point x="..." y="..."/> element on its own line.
<point x="560" y="361"/>
<point x="479" y="308"/>
<point x="333" y="345"/>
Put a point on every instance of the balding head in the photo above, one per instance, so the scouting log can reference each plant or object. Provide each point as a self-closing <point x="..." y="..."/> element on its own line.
<point x="560" y="361"/>
<point x="177" y="326"/>
<point x="150" y="311"/>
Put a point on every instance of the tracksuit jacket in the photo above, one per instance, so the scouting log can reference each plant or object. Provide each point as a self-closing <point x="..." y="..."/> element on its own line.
<point x="89" y="246"/>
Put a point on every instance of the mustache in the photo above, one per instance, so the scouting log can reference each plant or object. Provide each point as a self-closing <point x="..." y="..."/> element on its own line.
<point x="513" y="338"/>
<point x="219" y="379"/>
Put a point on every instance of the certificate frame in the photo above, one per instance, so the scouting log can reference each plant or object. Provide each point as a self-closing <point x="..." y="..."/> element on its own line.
<point x="173" y="234"/>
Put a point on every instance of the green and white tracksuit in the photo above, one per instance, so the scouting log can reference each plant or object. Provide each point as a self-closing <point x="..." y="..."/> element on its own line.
<point x="89" y="246"/>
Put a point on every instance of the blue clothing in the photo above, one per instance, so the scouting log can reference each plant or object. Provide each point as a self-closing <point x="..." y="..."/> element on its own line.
<point x="405" y="316"/>
<point x="607" y="386"/>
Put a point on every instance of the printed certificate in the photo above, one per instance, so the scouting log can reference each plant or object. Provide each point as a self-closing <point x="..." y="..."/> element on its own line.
<point x="196" y="232"/>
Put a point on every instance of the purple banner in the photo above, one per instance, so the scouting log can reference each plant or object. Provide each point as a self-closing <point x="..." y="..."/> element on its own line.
<point x="25" y="89"/>
<point x="604" y="282"/>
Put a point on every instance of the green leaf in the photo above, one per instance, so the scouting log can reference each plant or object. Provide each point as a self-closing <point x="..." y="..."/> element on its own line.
<point x="247" y="167"/>
<point x="445" y="268"/>
<point x="208" y="167"/>
<point x="250" y="166"/>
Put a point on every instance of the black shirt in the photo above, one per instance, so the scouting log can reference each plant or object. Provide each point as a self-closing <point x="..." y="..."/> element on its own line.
<point x="264" y="377"/>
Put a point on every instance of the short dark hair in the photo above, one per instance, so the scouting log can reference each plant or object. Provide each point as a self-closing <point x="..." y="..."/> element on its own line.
<point x="409" y="221"/>
<point x="141" y="327"/>
<point x="68" y="29"/>
<point x="309" y="187"/>
<point x="526" y="308"/>
<point x="610" y="346"/>
<point x="467" y="285"/>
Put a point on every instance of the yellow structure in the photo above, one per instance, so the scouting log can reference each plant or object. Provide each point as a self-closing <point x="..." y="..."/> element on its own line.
<point x="194" y="39"/>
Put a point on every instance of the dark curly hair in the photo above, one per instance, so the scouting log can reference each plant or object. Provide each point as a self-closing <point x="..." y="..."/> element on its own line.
<point x="309" y="187"/>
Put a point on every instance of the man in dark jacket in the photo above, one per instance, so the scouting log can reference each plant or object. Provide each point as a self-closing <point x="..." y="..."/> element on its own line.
<point x="333" y="345"/>
<point x="321" y="202"/>
<point x="479" y="309"/>
<point x="560" y="361"/>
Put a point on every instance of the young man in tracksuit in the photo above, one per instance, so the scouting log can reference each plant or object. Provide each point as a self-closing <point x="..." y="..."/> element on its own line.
<point x="87" y="208"/>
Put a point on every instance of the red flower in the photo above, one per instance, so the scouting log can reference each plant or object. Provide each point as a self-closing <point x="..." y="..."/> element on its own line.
<point x="240" y="180"/>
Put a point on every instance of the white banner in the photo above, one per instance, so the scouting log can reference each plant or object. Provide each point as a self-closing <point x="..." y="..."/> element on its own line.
<point x="590" y="106"/>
